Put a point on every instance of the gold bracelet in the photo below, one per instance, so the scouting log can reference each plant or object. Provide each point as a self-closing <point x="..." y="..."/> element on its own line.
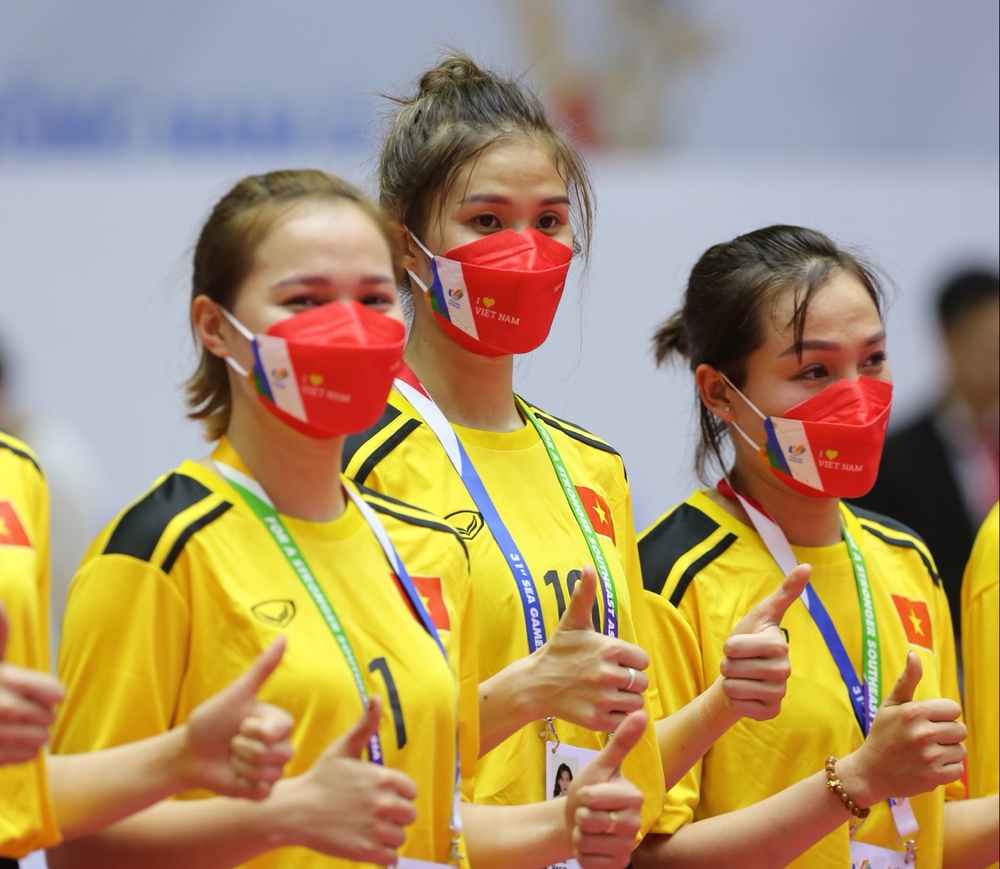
<point x="835" y="785"/>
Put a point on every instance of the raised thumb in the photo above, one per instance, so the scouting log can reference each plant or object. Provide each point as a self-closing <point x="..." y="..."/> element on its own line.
<point x="3" y="631"/>
<point x="770" y="611"/>
<point x="354" y="742"/>
<point x="902" y="691"/>
<point x="578" y="614"/>
<point x="606" y="765"/>
<point x="247" y="685"/>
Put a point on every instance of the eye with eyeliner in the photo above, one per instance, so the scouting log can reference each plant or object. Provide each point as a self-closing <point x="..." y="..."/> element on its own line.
<point x="811" y="372"/>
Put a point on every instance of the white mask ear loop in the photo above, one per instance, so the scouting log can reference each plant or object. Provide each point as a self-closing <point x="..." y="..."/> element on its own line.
<point x="751" y="405"/>
<point x="413" y="277"/>
<point x="246" y="333"/>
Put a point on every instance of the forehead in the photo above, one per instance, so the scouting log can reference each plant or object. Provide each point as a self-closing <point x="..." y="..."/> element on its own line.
<point x="839" y="307"/>
<point x="521" y="166"/>
<point x="323" y="230"/>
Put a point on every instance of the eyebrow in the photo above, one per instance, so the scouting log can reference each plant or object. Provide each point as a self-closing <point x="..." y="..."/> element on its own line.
<point x="816" y="344"/>
<point x="317" y="280"/>
<point x="503" y="200"/>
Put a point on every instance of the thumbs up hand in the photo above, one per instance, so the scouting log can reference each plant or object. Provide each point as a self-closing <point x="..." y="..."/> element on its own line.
<point x="913" y="746"/>
<point x="755" y="669"/>
<point x="582" y="676"/>
<point x="236" y="745"/>
<point x="345" y="806"/>
<point x="603" y="809"/>
<point x="27" y="701"/>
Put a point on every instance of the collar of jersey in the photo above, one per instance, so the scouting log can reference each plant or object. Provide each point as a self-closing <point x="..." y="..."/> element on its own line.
<point x="505" y="441"/>
<point x="833" y="554"/>
<point x="337" y="529"/>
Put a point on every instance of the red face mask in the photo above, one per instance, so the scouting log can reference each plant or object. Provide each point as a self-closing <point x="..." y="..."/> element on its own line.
<point x="327" y="371"/>
<point x="830" y="445"/>
<point x="498" y="295"/>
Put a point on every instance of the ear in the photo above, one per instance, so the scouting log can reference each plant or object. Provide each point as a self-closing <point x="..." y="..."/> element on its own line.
<point x="412" y="256"/>
<point x="715" y="393"/>
<point x="210" y="326"/>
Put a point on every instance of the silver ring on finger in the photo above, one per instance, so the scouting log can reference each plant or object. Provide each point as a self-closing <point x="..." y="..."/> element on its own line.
<point x="631" y="679"/>
<point x="613" y="818"/>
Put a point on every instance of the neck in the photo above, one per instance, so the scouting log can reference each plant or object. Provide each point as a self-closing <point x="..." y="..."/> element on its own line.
<point x="301" y="475"/>
<point x="472" y="390"/>
<point x="805" y="521"/>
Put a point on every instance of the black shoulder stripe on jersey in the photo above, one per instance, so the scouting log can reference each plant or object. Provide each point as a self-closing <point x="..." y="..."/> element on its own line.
<point x="698" y="565"/>
<point x="368" y="493"/>
<point x="906" y="544"/>
<point x="882" y="519"/>
<point x="188" y="532"/>
<point x="22" y="454"/>
<point x="141" y="527"/>
<point x="564" y="426"/>
<point x="354" y="442"/>
<point x="426" y="521"/>
<point x="386" y="447"/>
<point x="664" y="545"/>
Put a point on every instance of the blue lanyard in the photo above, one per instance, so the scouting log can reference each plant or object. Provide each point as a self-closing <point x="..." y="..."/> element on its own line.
<point x="517" y="564"/>
<point x="864" y="710"/>
<point x="864" y="695"/>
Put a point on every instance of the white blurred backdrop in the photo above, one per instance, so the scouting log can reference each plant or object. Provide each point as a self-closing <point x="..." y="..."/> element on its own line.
<point x="121" y="124"/>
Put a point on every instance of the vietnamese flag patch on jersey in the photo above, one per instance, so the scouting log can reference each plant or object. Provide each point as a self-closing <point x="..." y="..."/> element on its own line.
<point x="12" y="532"/>
<point x="429" y="588"/>
<point x="916" y="620"/>
<point x="598" y="512"/>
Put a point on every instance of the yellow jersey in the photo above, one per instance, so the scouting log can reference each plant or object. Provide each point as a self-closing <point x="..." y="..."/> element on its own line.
<point x="185" y="588"/>
<point x="715" y="569"/>
<point x="27" y="819"/>
<point x="981" y="657"/>
<point x="402" y="457"/>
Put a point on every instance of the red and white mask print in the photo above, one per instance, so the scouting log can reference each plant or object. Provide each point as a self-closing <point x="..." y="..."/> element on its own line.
<point x="830" y="445"/>
<point x="327" y="371"/>
<point x="498" y="295"/>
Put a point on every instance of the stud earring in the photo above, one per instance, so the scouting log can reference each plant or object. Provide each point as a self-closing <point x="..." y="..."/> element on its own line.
<point x="726" y="408"/>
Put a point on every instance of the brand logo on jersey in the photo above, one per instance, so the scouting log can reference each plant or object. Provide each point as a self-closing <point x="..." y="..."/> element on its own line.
<point x="12" y="532"/>
<point x="468" y="523"/>
<point x="916" y="620"/>
<point x="277" y="613"/>
<point x="598" y="511"/>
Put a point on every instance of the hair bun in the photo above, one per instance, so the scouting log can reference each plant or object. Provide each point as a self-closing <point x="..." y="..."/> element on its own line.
<point x="454" y="70"/>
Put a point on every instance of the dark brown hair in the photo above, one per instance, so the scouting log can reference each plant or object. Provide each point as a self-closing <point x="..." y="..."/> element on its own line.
<point x="225" y="253"/>
<point x="722" y="320"/>
<point x="459" y="111"/>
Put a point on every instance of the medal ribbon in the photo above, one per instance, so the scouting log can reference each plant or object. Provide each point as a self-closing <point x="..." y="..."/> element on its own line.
<point x="412" y="390"/>
<point x="262" y="506"/>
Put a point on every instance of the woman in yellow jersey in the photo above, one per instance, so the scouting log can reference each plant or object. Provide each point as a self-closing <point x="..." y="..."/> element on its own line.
<point x="981" y="657"/>
<point x="232" y="744"/>
<point x="783" y="331"/>
<point x="295" y="305"/>
<point x="492" y="201"/>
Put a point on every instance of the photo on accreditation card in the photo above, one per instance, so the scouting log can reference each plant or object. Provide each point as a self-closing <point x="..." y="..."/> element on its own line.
<point x="561" y="767"/>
